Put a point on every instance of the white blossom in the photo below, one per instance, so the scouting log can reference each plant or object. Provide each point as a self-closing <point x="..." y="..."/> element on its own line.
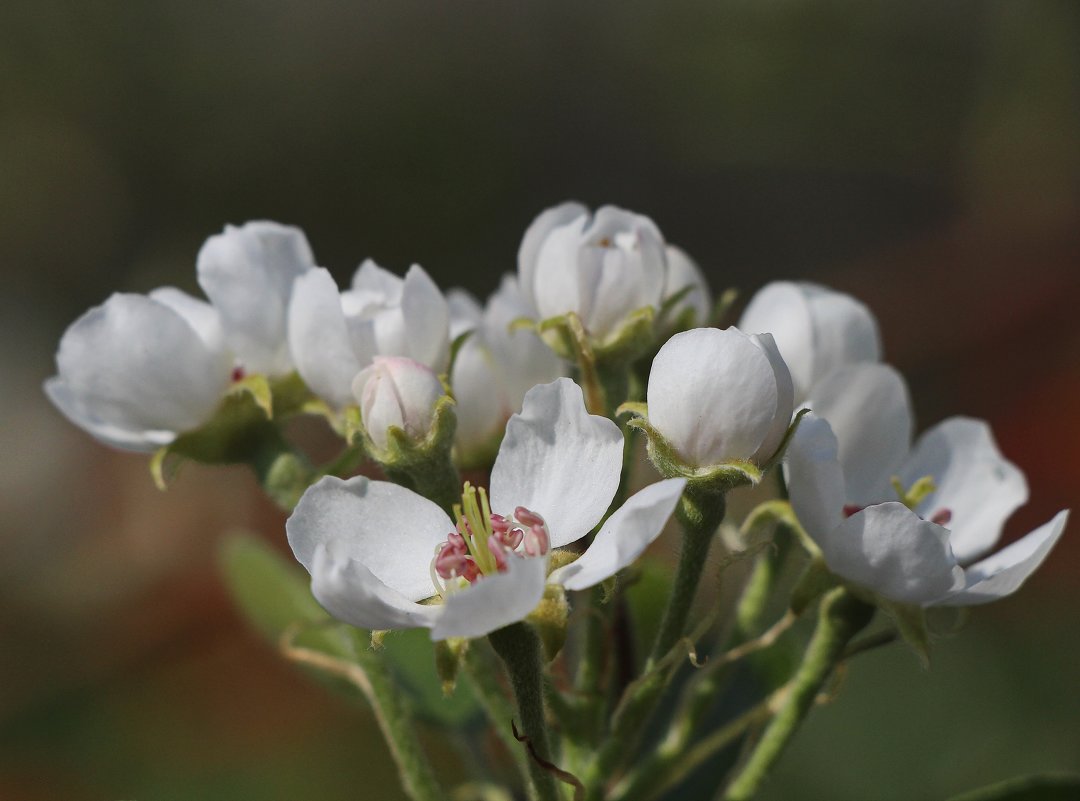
<point x="396" y="391"/>
<point x="719" y="396"/>
<point x="375" y="549"/>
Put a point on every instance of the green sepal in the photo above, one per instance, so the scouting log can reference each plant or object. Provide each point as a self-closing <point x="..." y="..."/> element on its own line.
<point x="402" y="452"/>
<point x="455" y="349"/>
<point x="911" y="622"/>
<point x="723" y="306"/>
<point x="549" y="618"/>
<point x="716" y="479"/>
<point x="448" y="656"/>
<point x="815" y="581"/>
<point x="560" y="557"/>
<point x="781" y="449"/>
<point x="566" y="335"/>
<point x="670" y="303"/>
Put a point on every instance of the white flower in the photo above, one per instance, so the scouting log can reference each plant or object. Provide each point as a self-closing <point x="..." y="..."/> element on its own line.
<point x="603" y="268"/>
<point x="396" y="391"/>
<point x="248" y="274"/>
<point x="495" y="367"/>
<point x="816" y="329"/>
<point x="720" y="395"/>
<point x="375" y="550"/>
<point x="912" y="538"/>
<point x="138" y="370"/>
<point x="334" y="335"/>
<point x="683" y="272"/>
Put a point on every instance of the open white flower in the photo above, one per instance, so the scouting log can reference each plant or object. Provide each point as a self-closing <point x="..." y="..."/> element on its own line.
<point x="333" y="335"/>
<point x="816" y="329"/>
<point x="602" y="267"/>
<point x="719" y="396"/>
<point x="140" y="369"/>
<point x="494" y="368"/>
<point x="247" y="272"/>
<point x="910" y="526"/>
<point x="376" y="550"/>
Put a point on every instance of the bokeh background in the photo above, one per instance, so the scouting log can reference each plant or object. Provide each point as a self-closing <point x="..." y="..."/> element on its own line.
<point x="924" y="156"/>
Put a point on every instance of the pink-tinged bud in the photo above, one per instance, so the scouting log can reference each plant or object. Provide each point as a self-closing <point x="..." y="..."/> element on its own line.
<point x="942" y="517"/>
<point x="528" y="518"/>
<point x="396" y="391"/>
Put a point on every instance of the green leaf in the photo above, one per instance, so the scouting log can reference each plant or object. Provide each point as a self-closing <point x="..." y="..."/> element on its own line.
<point x="911" y="621"/>
<point x="411" y="655"/>
<point x="1046" y="787"/>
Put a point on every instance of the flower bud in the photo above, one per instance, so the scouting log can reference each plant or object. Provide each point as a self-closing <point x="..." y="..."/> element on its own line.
<point x="396" y="391"/>
<point x="602" y="268"/>
<point x="719" y="396"/>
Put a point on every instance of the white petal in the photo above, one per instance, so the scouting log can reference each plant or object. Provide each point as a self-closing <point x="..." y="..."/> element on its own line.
<point x="889" y="549"/>
<point x="978" y="486"/>
<point x="623" y="537"/>
<point x="815" y="481"/>
<point x="481" y="407"/>
<point x="522" y="358"/>
<point x="558" y="461"/>
<point x="1002" y="573"/>
<point x="392" y="531"/>
<point x="537" y="232"/>
<point x="248" y="274"/>
<point x="427" y="320"/>
<point x="713" y="394"/>
<point x="200" y="315"/>
<point x="817" y="330"/>
<point x="465" y="312"/>
<point x="374" y="284"/>
<point x="869" y="410"/>
<point x="785" y="399"/>
<point x="683" y="272"/>
<point x="555" y="287"/>
<point x="352" y="593"/>
<point x="134" y="373"/>
<point x="493" y="601"/>
<point x="319" y="338"/>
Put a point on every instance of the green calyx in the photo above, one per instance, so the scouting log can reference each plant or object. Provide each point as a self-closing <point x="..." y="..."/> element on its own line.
<point x="403" y="452"/>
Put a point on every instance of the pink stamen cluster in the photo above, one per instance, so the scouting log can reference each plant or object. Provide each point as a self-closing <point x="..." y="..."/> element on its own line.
<point x="526" y="530"/>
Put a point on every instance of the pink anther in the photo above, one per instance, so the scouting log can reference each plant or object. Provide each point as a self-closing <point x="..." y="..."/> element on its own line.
<point x="941" y="517"/>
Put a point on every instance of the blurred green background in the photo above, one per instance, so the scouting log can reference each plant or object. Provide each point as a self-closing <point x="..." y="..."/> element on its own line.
<point x="924" y="156"/>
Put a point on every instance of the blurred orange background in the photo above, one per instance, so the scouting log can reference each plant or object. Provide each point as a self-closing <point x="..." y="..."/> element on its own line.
<point x="922" y="156"/>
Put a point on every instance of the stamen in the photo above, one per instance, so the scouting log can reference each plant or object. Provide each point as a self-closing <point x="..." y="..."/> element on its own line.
<point x="850" y="509"/>
<point x="942" y="517"/>
<point x="238" y="373"/>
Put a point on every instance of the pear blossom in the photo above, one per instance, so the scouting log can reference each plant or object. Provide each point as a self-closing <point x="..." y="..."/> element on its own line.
<point x="816" y="329"/>
<point x="683" y="274"/>
<point x="333" y="335"/>
<point x="247" y="272"/>
<point x="380" y="556"/>
<point x="396" y="391"/>
<point x="494" y="367"/>
<point x="139" y="369"/>
<point x="601" y="267"/>
<point x="719" y="396"/>
<point x="912" y="525"/>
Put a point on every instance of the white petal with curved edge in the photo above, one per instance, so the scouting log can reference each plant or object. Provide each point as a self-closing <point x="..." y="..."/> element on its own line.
<point x="683" y="272"/>
<point x="815" y="481"/>
<point x="556" y="287"/>
<point x="713" y="395"/>
<point x="465" y="311"/>
<point x="494" y="601"/>
<point x="558" y="461"/>
<point x="1002" y="573"/>
<point x="780" y="309"/>
<point x="352" y="593"/>
<point x="521" y="356"/>
<point x="392" y="531"/>
<point x="535" y="234"/>
<point x="845" y="331"/>
<point x="869" y="410"/>
<point x="427" y="320"/>
<point x="374" y="284"/>
<point x="319" y="338"/>
<point x="134" y="371"/>
<point x="248" y="273"/>
<point x="481" y="407"/>
<point x="978" y="486"/>
<point x="889" y="549"/>
<point x="623" y="537"/>
<point x="785" y="399"/>
<point x="200" y="315"/>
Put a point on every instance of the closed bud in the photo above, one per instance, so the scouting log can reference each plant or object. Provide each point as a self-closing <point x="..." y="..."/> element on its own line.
<point x="395" y="391"/>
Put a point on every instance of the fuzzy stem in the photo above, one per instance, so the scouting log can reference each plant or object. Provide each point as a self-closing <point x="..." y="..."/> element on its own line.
<point x="436" y="479"/>
<point x="520" y="649"/>
<point x="840" y="618"/>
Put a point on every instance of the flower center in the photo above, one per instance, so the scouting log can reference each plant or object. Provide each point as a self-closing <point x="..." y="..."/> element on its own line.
<point x="483" y="542"/>
<point x="911" y="498"/>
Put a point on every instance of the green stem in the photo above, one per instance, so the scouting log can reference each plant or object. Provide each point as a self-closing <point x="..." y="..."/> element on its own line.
<point x="840" y="617"/>
<point x="519" y="647"/>
<point x="484" y="680"/>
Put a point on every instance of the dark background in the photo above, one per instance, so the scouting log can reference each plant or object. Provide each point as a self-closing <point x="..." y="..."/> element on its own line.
<point x="924" y="156"/>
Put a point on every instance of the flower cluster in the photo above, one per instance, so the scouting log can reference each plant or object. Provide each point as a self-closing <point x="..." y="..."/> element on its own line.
<point x="603" y="337"/>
